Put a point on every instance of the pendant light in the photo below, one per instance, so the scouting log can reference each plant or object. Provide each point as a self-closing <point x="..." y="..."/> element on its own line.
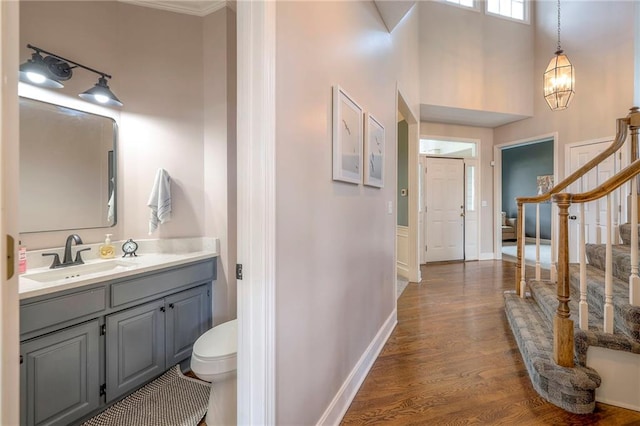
<point x="559" y="78"/>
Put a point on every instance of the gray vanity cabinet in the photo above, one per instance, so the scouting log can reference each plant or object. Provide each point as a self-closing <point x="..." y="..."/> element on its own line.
<point x="135" y="347"/>
<point x="82" y="349"/>
<point x="144" y="341"/>
<point x="187" y="318"/>
<point x="59" y="375"/>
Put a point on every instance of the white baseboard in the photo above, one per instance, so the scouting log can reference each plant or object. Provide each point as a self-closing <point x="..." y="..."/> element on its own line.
<point x="486" y="256"/>
<point x="340" y="403"/>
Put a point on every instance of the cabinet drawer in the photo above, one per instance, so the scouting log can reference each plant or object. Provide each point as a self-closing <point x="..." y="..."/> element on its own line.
<point x="37" y="315"/>
<point x="155" y="284"/>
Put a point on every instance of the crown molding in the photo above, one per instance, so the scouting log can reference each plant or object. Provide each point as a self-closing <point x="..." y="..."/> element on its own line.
<point x="196" y="8"/>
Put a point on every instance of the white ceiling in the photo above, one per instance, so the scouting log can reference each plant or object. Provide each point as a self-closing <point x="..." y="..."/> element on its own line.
<point x="197" y="8"/>
<point x="466" y="117"/>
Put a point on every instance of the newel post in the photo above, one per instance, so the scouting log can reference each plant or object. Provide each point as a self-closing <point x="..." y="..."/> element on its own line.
<point x="519" y="243"/>
<point x="562" y="324"/>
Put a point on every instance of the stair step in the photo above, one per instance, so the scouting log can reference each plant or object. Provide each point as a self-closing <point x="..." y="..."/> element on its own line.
<point x="621" y="258"/>
<point x="626" y="318"/>
<point x="572" y="389"/>
<point x="625" y="233"/>
<point x="544" y="294"/>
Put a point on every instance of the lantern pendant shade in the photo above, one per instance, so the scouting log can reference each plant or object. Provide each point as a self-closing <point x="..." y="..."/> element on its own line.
<point x="559" y="82"/>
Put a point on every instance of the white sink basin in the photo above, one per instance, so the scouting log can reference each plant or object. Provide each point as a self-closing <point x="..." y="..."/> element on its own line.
<point x="71" y="272"/>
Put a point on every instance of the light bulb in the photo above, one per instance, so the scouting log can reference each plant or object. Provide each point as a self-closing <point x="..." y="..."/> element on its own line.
<point x="35" y="77"/>
<point x="101" y="98"/>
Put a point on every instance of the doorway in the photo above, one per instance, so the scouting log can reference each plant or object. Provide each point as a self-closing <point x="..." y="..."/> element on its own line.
<point x="519" y="167"/>
<point x="449" y="214"/>
<point x="444" y="210"/>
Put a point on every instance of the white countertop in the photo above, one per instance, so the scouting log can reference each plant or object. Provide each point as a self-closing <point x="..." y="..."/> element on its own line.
<point x="152" y="255"/>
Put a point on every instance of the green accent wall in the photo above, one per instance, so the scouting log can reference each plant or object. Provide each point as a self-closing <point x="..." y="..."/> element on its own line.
<point x="403" y="172"/>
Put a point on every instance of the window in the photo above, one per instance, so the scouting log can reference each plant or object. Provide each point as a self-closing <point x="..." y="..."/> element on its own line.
<point x="514" y="9"/>
<point x="471" y="188"/>
<point x="464" y="3"/>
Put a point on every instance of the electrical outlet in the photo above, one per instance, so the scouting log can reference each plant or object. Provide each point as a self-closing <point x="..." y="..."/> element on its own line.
<point x="390" y="207"/>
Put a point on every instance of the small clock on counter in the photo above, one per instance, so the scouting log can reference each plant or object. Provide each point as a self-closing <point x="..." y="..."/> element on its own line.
<point x="129" y="248"/>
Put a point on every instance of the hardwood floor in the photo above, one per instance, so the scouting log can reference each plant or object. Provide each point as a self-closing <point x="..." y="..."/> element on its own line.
<point x="453" y="360"/>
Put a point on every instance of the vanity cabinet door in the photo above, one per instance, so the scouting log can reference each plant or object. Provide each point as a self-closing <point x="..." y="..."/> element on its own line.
<point x="59" y="376"/>
<point x="187" y="319"/>
<point x="134" y="347"/>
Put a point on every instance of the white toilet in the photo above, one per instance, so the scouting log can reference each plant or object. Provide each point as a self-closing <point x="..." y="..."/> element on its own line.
<point x="214" y="360"/>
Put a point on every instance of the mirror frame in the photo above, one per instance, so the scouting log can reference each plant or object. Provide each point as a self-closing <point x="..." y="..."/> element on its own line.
<point x="48" y="97"/>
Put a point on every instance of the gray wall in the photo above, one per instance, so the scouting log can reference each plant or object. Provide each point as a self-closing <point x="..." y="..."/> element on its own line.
<point x="520" y="168"/>
<point x="403" y="172"/>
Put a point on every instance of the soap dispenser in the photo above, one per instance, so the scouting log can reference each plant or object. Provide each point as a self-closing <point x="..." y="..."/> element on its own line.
<point x="107" y="250"/>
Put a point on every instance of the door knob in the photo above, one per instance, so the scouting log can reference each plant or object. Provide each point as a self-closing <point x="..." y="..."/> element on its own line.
<point x="573" y="217"/>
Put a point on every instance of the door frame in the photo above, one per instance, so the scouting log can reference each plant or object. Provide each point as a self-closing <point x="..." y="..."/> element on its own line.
<point x="256" y="143"/>
<point x="497" y="184"/>
<point x="403" y="107"/>
<point x="9" y="136"/>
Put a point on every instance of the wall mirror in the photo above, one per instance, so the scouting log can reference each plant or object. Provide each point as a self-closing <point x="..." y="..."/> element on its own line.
<point x="67" y="168"/>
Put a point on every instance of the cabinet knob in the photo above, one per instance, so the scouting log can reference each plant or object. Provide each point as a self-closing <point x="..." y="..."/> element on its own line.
<point x="171" y="305"/>
<point x="21" y="359"/>
<point x="162" y="309"/>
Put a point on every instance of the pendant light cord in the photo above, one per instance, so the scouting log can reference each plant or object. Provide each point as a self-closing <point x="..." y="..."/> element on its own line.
<point x="559" y="48"/>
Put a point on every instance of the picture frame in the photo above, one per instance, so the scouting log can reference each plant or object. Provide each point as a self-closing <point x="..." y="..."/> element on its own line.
<point x="347" y="137"/>
<point x="544" y="184"/>
<point x="374" y="147"/>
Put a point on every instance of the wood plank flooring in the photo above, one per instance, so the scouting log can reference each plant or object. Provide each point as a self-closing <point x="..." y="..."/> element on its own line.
<point x="452" y="359"/>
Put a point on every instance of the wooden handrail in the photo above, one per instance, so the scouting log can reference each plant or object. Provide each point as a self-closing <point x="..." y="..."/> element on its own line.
<point x="621" y="137"/>
<point x="610" y="185"/>
<point x="622" y="124"/>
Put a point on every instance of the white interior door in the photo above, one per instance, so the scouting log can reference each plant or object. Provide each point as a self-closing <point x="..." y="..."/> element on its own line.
<point x="595" y="212"/>
<point x="444" y="209"/>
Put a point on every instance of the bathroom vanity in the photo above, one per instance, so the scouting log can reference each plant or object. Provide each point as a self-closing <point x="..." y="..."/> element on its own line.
<point x="89" y="339"/>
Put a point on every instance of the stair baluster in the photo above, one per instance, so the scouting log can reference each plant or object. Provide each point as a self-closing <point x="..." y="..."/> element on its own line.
<point x="522" y="241"/>
<point x="634" y="280"/>
<point x="608" y="274"/>
<point x="583" y="306"/>
<point x="538" y="242"/>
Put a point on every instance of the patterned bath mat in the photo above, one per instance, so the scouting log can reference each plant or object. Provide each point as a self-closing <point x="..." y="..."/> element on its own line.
<point x="170" y="400"/>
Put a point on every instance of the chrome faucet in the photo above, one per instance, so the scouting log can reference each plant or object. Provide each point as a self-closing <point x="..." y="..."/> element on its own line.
<point x="66" y="260"/>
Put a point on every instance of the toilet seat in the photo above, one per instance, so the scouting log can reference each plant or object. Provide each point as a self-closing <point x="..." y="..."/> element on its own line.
<point x="215" y="351"/>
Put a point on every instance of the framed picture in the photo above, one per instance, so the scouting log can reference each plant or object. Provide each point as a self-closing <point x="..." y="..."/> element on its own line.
<point x="544" y="184"/>
<point x="373" y="152"/>
<point x="347" y="137"/>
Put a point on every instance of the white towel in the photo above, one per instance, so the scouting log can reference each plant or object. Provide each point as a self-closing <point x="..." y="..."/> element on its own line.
<point x="160" y="200"/>
<point x="111" y="208"/>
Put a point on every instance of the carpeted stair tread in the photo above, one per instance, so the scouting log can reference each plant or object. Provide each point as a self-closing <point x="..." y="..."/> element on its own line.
<point x="626" y="317"/>
<point x="625" y="233"/>
<point x="572" y="389"/>
<point x="544" y="294"/>
<point x="621" y="259"/>
<point x="596" y="337"/>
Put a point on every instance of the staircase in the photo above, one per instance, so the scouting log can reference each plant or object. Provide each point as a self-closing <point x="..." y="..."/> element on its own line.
<point x="579" y="332"/>
<point x="531" y="320"/>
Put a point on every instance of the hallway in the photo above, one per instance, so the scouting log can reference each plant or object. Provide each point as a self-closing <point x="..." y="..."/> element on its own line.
<point x="452" y="359"/>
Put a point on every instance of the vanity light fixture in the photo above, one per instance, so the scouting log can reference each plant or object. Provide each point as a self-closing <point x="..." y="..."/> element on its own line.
<point x="50" y="70"/>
